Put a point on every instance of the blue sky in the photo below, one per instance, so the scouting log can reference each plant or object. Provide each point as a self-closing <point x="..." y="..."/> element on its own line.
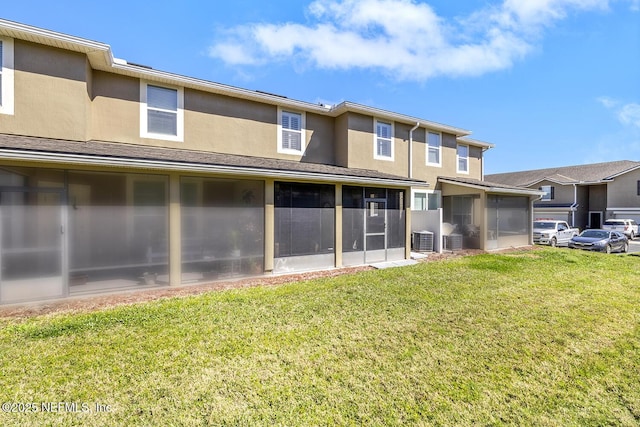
<point x="549" y="82"/>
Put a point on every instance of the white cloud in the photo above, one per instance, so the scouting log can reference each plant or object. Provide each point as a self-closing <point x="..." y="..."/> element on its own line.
<point x="404" y="38"/>
<point x="627" y="114"/>
<point x="630" y="114"/>
<point x="608" y="102"/>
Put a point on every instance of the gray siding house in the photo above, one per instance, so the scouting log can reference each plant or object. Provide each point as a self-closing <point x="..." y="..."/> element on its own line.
<point x="583" y="195"/>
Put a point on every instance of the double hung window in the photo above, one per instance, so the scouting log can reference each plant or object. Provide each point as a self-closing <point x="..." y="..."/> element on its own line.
<point x="383" y="147"/>
<point x="463" y="159"/>
<point x="434" y="142"/>
<point x="161" y="115"/>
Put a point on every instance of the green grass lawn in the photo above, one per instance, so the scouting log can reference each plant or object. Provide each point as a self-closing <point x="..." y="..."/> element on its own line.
<point x="547" y="337"/>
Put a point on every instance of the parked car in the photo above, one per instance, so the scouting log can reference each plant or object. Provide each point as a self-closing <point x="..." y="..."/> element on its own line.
<point x="552" y="232"/>
<point x="626" y="226"/>
<point x="600" y="240"/>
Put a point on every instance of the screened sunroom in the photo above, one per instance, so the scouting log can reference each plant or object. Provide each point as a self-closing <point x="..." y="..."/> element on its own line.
<point x="141" y="217"/>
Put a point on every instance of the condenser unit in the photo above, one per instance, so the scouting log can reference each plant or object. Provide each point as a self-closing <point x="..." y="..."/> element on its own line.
<point x="423" y="241"/>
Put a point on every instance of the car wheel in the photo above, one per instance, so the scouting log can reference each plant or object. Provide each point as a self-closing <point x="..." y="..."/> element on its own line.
<point x="625" y="247"/>
<point x="553" y="242"/>
<point x="608" y="249"/>
<point x="632" y="236"/>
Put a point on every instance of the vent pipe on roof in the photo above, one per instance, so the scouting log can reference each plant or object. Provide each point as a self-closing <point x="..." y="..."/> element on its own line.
<point x="411" y="149"/>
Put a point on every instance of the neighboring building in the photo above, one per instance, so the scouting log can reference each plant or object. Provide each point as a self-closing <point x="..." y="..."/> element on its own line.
<point x="114" y="175"/>
<point x="584" y="195"/>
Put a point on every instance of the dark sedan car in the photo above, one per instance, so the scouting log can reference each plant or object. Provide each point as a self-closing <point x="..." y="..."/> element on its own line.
<point x="600" y="240"/>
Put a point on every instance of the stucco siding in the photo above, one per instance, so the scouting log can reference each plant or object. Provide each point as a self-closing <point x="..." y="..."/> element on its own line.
<point x="228" y="125"/>
<point x="115" y="114"/>
<point x="341" y="135"/>
<point x="598" y="197"/>
<point x="561" y="193"/>
<point x="361" y="146"/>
<point x="623" y="191"/>
<point x="321" y="140"/>
<point x="50" y="93"/>
<point x="212" y="122"/>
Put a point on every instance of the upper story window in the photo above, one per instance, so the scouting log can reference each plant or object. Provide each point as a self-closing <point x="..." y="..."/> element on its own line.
<point x="291" y="128"/>
<point x="548" y="192"/>
<point x="161" y="112"/>
<point x="434" y="144"/>
<point x="638" y="189"/>
<point x="6" y="76"/>
<point x="383" y="142"/>
<point x="463" y="158"/>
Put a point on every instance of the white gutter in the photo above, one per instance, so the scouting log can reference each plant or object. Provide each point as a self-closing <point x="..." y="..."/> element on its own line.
<point x="411" y="149"/>
<point x="106" y="61"/>
<point x="348" y="106"/>
<point x="80" y="159"/>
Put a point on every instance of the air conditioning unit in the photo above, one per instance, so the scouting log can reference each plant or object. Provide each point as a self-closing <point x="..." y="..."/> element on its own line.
<point x="453" y="242"/>
<point x="423" y="241"/>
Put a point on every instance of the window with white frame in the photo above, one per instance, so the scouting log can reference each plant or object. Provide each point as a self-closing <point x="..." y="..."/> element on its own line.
<point x="548" y="192"/>
<point x="420" y="201"/>
<point x="6" y="75"/>
<point x="426" y="200"/>
<point x="291" y="128"/>
<point x="383" y="143"/>
<point x="161" y="112"/>
<point x="463" y="158"/>
<point x="434" y="144"/>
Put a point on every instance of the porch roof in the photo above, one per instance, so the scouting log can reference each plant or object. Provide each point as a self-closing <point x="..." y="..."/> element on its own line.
<point x="489" y="187"/>
<point x="111" y="154"/>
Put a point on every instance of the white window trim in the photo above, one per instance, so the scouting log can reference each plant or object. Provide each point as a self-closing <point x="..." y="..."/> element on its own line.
<point x="303" y="132"/>
<point x="458" y="160"/>
<point x="375" y="140"/>
<point x="144" y="133"/>
<point x="7" y="102"/>
<point x="439" y="164"/>
<point x="544" y="197"/>
<point x="413" y="198"/>
<point x="427" y="193"/>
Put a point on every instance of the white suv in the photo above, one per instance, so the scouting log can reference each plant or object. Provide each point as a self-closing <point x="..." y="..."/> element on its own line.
<point x="627" y="226"/>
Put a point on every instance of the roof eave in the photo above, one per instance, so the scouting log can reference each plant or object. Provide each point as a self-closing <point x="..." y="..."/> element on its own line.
<point x="163" y="165"/>
<point x="348" y="106"/>
<point x="475" y="142"/>
<point x="493" y="189"/>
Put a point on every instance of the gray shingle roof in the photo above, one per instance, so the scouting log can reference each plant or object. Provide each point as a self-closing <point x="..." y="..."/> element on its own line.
<point x="121" y="151"/>
<point x="595" y="172"/>
<point x="488" y="185"/>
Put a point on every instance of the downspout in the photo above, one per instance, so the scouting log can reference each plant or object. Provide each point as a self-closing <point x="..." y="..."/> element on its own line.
<point x="411" y="149"/>
<point x="482" y="164"/>
<point x="573" y="207"/>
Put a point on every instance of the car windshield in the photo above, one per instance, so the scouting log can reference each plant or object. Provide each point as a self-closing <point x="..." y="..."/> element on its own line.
<point x="544" y="225"/>
<point x="595" y="233"/>
<point x="614" y="222"/>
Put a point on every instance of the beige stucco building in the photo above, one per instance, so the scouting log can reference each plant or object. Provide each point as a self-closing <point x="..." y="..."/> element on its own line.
<point x="115" y="175"/>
